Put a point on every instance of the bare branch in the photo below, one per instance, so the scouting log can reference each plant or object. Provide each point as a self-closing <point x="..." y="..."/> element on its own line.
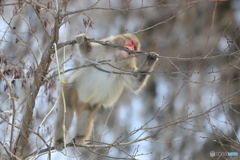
<point x="129" y="9"/>
<point x="39" y="75"/>
<point x="14" y="108"/>
<point x="174" y="16"/>
<point x="222" y="54"/>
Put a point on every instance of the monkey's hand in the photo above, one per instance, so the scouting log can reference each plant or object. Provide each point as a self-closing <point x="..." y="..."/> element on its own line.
<point x="81" y="38"/>
<point x="59" y="145"/>
<point x="152" y="58"/>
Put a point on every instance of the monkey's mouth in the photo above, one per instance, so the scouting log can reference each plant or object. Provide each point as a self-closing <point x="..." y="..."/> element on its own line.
<point x="130" y="48"/>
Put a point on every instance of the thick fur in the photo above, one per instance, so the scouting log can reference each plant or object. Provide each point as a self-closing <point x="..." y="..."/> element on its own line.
<point x="89" y="88"/>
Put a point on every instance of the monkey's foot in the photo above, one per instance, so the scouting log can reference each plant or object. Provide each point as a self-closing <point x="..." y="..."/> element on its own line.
<point x="59" y="145"/>
<point x="81" y="38"/>
<point x="79" y="139"/>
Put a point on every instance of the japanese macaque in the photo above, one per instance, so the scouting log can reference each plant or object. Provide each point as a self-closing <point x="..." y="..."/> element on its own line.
<point x="89" y="88"/>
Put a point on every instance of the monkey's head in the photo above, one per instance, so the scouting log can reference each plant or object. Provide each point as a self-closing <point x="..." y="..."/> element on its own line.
<point x="129" y="41"/>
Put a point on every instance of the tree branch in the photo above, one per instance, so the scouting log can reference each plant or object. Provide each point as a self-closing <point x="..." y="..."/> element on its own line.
<point x="159" y="128"/>
<point x="39" y="75"/>
<point x="223" y="54"/>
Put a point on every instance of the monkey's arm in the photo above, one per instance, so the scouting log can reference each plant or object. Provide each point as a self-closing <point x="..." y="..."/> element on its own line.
<point x="136" y="83"/>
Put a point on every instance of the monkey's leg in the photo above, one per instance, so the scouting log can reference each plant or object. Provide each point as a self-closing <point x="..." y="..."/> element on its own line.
<point x="60" y="127"/>
<point x="85" y="124"/>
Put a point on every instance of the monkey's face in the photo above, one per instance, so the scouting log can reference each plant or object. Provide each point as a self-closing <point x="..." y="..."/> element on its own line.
<point x="130" y="44"/>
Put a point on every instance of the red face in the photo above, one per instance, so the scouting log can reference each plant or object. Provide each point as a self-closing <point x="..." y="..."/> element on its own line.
<point x="131" y="44"/>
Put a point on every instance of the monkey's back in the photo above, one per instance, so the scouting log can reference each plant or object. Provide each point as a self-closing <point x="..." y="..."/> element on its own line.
<point x="97" y="87"/>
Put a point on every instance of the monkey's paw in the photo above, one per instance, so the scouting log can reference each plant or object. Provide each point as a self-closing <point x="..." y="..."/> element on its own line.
<point x="59" y="145"/>
<point x="81" y="38"/>
<point x="151" y="58"/>
<point x="153" y="55"/>
<point x="79" y="139"/>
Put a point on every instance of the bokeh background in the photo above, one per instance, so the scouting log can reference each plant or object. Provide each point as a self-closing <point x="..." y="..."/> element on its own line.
<point x="192" y="98"/>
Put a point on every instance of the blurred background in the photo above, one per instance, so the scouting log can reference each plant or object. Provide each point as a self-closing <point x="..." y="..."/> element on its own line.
<point x="192" y="99"/>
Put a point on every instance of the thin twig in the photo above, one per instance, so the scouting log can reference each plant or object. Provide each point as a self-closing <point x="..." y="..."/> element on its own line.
<point x="162" y="22"/>
<point x="11" y="98"/>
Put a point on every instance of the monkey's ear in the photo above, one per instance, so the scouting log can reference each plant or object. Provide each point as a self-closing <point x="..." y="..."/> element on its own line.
<point x="81" y="38"/>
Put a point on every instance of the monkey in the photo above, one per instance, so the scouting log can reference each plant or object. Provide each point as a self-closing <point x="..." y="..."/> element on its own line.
<point x="89" y="88"/>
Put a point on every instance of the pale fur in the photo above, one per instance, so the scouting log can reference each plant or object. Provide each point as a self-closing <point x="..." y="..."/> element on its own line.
<point x="97" y="87"/>
<point x="87" y="89"/>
